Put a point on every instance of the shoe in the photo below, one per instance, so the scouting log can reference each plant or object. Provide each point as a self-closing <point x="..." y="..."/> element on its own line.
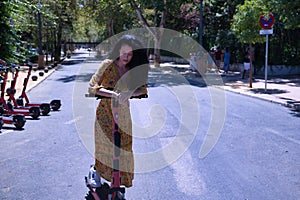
<point x="121" y="195"/>
<point x="93" y="177"/>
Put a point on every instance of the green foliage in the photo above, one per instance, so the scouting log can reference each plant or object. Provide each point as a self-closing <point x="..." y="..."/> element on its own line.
<point x="245" y="22"/>
<point x="289" y="12"/>
<point x="232" y="23"/>
<point x="9" y="40"/>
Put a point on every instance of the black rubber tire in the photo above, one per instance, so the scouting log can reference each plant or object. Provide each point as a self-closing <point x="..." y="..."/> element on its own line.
<point x="89" y="196"/>
<point x="19" y="125"/>
<point x="101" y="191"/>
<point x="19" y="121"/>
<point x="35" y="112"/>
<point x="1" y="124"/>
<point x="55" y="105"/>
<point x="2" y="110"/>
<point x="45" y="109"/>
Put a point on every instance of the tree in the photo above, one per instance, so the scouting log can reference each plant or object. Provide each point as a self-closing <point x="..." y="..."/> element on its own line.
<point x="285" y="40"/>
<point x="246" y="27"/>
<point x="10" y="43"/>
<point x="158" y="20"/>
<point x="107" y="18"/>
<point x="288" y="12"/>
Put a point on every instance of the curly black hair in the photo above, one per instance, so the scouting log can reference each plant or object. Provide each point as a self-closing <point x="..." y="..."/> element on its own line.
<point x="139" y="57"/>
<point x="138" y="65"/>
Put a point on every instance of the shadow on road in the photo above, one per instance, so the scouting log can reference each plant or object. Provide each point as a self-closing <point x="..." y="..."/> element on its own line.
<point x="80" y="78"/>
<point x="269" y="91"/>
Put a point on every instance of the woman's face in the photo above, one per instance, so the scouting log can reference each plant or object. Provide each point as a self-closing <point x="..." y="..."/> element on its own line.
<point x="125" y="54"/>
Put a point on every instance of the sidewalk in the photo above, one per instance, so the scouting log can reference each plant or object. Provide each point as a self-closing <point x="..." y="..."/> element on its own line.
<point x="284" y="90"/>
<point x="31" y="84"/>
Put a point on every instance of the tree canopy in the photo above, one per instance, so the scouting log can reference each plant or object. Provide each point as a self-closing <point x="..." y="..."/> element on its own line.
<point x="232" y="23"/>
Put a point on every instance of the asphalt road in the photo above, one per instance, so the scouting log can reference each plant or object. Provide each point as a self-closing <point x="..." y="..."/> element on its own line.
<point x="190" y="142"/>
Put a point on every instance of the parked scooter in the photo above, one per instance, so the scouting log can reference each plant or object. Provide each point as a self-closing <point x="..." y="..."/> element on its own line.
<point x="54" y="104"/>
<point x="7" y="108"/>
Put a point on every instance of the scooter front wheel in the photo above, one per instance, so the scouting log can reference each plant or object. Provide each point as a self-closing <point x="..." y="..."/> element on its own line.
<point x="35" y="112"/>
<point x="102" y="193"/>
<point x="45" y="108"/>
<point x="55" y="104"/>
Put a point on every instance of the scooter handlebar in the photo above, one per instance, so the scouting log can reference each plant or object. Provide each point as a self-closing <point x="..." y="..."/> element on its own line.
<point x="103" y="97"/>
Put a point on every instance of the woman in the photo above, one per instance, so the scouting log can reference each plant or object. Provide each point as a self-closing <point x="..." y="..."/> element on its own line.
<point x="246" y="64"/>
<point x="120" y="76"/>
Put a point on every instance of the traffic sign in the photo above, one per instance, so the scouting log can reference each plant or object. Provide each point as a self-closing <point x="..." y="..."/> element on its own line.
<point x="266" y="22"/>
<point x="266" y="32"/>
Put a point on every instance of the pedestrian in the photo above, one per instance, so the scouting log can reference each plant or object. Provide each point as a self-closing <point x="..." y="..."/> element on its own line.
<point x="193" y="63"/>
<point x="218" y="57"/>
<point x="246" y="64"/>
<point x="226" y="60"/>
<point x="210" y="60"/>
<point x="110" y="80"/>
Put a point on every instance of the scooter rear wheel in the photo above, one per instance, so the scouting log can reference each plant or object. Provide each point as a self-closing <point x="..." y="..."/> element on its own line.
<point x="102" y="192"/>
<point x="19" y="121"/>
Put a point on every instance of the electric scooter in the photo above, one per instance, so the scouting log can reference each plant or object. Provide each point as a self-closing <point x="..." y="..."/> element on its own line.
<point x="18" y="120"/>
<point x="44" y="107"/>
<point x="105" y="192"/>
<point x="54" y="104"/>
<point x="8" y="109"/>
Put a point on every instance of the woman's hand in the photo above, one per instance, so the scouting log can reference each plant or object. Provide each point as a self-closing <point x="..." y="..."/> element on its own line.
<point x="123" y="97"/>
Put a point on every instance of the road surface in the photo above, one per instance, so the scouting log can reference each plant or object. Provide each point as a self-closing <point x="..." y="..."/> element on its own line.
<point x="190" y="142"/>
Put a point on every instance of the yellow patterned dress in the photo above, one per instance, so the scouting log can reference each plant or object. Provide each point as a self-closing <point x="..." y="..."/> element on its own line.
<point x="107" y="76"/>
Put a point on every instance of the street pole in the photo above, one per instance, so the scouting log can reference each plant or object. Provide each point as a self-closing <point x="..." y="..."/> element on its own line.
<point x="201" y="23"/>
<point x="266" y="62"/>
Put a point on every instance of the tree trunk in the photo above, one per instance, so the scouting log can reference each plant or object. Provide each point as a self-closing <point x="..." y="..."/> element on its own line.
<point x="157" y="42"/>
<point x="251" y="52"/>
<point x="156" y="32"/>
<point x="58" y="43"/>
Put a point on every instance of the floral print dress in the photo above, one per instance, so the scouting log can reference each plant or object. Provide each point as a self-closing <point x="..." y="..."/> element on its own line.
<point x="107" y="76"/>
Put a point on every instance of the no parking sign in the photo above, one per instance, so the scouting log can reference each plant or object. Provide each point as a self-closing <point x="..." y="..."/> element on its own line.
<point x="266" y="22"/>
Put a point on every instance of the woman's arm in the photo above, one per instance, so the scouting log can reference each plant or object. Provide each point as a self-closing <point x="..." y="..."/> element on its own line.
<point x="107" y="93"/>
<point x="96" y="80"/>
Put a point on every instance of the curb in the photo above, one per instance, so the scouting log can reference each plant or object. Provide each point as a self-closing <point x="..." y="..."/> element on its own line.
<point x="44" y="78"/>
<point x="54" y="66"/>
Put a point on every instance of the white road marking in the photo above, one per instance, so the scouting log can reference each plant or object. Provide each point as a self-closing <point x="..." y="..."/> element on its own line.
<point x="73" y="120"/>
<point x="283" y="136"/>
